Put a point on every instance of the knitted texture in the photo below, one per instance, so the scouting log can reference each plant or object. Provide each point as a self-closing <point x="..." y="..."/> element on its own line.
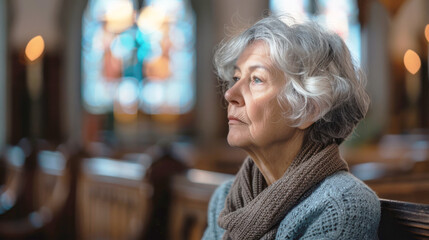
<point x="254" y="210"/>
<point x="340" y="207"/>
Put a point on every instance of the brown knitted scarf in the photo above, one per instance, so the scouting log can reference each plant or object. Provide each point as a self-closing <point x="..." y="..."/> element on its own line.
<point x="254" y="210"/>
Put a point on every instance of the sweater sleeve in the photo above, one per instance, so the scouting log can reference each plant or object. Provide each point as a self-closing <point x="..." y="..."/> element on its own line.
<point x="217" y="202"/>
<point x="355" y="215"/>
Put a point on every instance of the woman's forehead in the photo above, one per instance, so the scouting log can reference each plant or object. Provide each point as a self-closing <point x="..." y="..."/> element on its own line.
<point x="256" y="56"/>
<point x="258" y="47"/>
<point x="257" y="53"/>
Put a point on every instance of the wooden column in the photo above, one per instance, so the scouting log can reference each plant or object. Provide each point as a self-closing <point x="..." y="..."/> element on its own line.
<point x="3" y="73"/>
<point x="71" y="113"/>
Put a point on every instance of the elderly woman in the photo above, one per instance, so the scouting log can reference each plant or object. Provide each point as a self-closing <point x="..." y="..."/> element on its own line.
<point x="293" y="96"/>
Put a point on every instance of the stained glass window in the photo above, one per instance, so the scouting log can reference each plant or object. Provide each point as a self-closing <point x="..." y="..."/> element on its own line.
<point x="138" y="59"/>
<point x="340" y="16"/>
<point x="167" y="36"/>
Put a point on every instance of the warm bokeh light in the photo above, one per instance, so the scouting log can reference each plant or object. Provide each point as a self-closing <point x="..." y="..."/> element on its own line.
<point x="35" y="48"/>
<point x="427" y="32"/>
<point x="125" y="107"/>
<point x="412" y="61"/>
<point x="151" y="18"/>
<point x="119" y="16"/>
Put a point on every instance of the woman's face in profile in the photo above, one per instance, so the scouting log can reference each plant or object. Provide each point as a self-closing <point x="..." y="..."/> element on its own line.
<point x="254" y="114"/>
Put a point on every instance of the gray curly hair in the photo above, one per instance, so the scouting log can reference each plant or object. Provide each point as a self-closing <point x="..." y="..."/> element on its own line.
<point x="323" y="84"/>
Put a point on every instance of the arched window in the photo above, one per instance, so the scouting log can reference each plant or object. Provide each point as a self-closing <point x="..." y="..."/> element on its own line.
<point x="108" y="43"/>
<point x="340" y="16"/>
<point x="138" y="59"/>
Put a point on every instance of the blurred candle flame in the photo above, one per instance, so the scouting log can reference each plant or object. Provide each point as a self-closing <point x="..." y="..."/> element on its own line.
<point x="35" y="48"/>
<point x="412" y="61"/>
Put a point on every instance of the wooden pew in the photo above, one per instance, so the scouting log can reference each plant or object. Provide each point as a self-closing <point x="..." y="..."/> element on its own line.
<point x="55" y="187"/>
<point x="166" y="164"/>
<point x="52" y="180"/>
<point x="403" y="220"/>
<point x="408" y="188"/>
<point x="21" y="165"/>
<point x="390" y="181"/>
<point x="113" y="199"/>
<point x="44" y="206"/>
<point x="191" y="195"/>
<point x="14" y="159"/>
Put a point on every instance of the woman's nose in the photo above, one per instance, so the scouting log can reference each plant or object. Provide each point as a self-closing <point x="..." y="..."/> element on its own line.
<point x="234" y="95"/>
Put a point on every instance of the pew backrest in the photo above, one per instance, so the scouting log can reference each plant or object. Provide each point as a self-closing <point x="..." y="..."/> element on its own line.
<point x="403" y="220"/>
<point x="113" y="199"/>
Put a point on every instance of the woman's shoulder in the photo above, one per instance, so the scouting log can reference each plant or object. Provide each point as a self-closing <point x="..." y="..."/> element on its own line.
<point x="344" y="184"/>
<point x="218" y="198"/>
<point x="341" y="205"/>
<point x="217" y="202"/>
<point x="349" y="194"/>
<point x="223" y="189"/>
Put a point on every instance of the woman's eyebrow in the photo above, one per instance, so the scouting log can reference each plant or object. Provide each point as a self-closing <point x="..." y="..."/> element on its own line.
<point x="253" y="67"/>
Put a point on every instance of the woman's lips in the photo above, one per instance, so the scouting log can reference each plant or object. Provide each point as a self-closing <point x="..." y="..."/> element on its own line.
<point x="233" y="120"/>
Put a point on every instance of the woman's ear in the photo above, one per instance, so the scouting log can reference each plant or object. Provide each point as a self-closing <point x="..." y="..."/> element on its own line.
<point x="305" y="125"/>
<point x="311" y="119"/>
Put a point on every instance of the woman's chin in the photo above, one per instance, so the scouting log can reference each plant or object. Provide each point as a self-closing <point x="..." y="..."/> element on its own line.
<point x="232" y="144"/>
<point x="234" y="141"/>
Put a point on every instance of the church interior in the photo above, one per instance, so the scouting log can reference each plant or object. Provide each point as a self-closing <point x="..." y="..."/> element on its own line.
<point x="113" y="124"/>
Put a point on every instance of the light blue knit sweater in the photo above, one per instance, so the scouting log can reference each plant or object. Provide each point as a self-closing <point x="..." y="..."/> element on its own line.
<point x="340" y="207"/>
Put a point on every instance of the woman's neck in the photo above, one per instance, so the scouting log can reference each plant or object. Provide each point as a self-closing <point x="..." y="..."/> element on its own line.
<point x="274" y="160"/>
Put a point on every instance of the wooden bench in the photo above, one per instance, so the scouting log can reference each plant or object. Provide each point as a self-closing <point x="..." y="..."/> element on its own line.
<point x="191" y="195"/>
<point x="14" y="159"/>
<point x="406" y="188"/>
<point x="35" y="213"/>
<point x="403" y="220"/>
<point x="113" y="199"/>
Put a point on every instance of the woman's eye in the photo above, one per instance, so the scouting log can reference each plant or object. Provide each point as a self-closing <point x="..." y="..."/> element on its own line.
<point x="235" y="79"/>
<point x="257" y="80"/>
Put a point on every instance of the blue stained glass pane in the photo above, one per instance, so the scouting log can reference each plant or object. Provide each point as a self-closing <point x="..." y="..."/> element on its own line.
<point x="123" y="45"/>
